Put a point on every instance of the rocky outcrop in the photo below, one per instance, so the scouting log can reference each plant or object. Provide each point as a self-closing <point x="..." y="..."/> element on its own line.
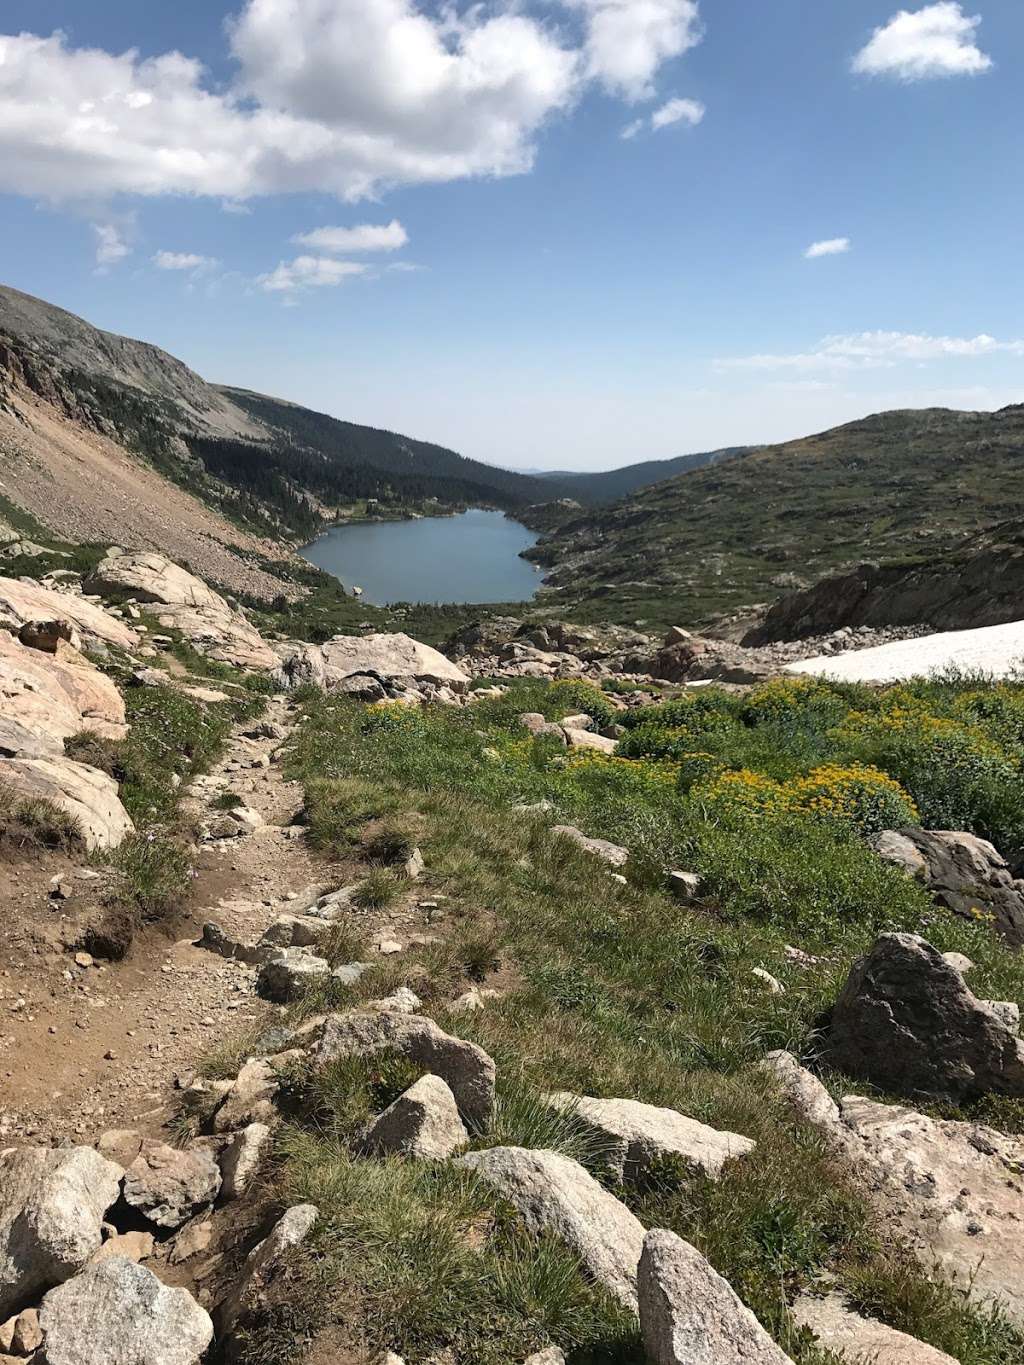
<point x="556" y="1195"/>
<point x="52" y="1205"/>
<point x="908" y="1022"/>
<point x="633" y="1136"/>
<point x="118" y="1313"/>
<point x="169" y="1186"/>
<point x="291" y="1230"/>
<point x="952" y="1190"/>
<point x="23" y="601"/>
<point x="695" y="659"/>
<point x="45" y="698"/>
<point x="185" y="603"/>
<point x="466" y="1068"/>
<point x="845" y="1333"/>
<point x="372" y="667"/>
<point x="966" y="874"/>
<point x="423" y="1123"/>
<point x="89" y="796"/>
<point x="600" y="848"/>
<point x="689" y="1315"/>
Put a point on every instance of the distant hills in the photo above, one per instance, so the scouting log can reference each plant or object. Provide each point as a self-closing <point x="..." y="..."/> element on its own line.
<point x="774" y="519"/>
<point x="612" y="484"/>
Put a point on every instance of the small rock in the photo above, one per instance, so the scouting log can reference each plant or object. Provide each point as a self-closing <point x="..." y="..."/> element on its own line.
<point x="290" y="1230"/>
<point x="241" y="1159"/>
<point x="848" y="1335"/>
<point x="168" y="1186"/>
<point x="423" y="1123"/>
<point x="136" y="1246"/>
<point x="600" y="848"/>
<point x="773" y="985"/>
<point x="193" y="1239"/>
<point x="685" y="886"/>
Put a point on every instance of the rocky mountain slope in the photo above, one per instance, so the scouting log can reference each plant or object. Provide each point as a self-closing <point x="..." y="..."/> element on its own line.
<point x="780" y="517"/>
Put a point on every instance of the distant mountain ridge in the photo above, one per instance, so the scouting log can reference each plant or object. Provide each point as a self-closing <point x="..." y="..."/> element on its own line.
<point x="611" y="484"/>
<point x="774" y="519"/>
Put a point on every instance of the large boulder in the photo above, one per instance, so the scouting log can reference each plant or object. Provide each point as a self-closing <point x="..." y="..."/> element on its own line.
<point x="185" y="603"/>
<point x="118" y="1313"/>
<point x="966" y="874"/>
<point x="51" y="1213"/>
<point x="555" y="1194"/>
<point x="44" y="698"/>
<point x="88" y="795"/>
<point x="695" y="659"/>
<point x="422" y="1123"/>
<point x="23" y="601"/>
<point x="846" y="1334"/>
<point x="907" y="1021"/>
<point x="391" y="659"/>
<point x="466" y="1068"/>
<point x="689" y="1315"/>
<point x="168" y="1185"/>
<point x="633" y="1135"/>
<point x="952" y="1190"/>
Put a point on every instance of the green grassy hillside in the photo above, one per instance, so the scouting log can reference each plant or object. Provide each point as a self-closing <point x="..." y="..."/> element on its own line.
<point x="779" y="517"/>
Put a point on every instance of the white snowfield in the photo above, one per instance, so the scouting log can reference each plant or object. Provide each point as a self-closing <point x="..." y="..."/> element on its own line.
<point x="994" y="650"/>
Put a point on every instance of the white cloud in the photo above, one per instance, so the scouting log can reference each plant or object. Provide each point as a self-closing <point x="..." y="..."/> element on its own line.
<point x="309" y="272"/>
<point x="672" y="111"/>
<point x="834" y="246"/>
<point x="111" y="246"/>
<point x="366" y="237"/>
<point x="184" y="260"/>
<point x="678" y="111"/>
<point x="347" y="97"/>
<point x="628" y="40"/>
<point x="874" y="350"/>
<point x="915" y="45"/>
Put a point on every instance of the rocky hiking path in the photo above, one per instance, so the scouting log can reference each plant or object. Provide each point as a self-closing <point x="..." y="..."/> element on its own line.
<point x="87" y="1046"/>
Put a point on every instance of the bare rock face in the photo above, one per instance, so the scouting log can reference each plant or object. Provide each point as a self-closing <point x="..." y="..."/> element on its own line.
<point x="291" y="1229"/>
<point x="50" y="696"/>
<point x="466" y="1068"/>
<point x="635" y="1135"/>
<point x="184" y="602"/>
<point x="953" y="1190"/>
<point x="555" y="1194"/>
<point x="118" y="1313"/>
<point x="423" y="1123"/>
<point x="88" y="795"/>
<point x="689" y="1315"/>
<point x="964" y="873"/>
<point x="907" y="1021"/>
<point x="168" y="1186"/>
<point x="23" y="601"/>
<point x="852" y="1337"/>
<point x="391" y="660"/>
<point x="241" y="1159"/>
<point x="600" y="848"/>
<point x="51" y="1211"/>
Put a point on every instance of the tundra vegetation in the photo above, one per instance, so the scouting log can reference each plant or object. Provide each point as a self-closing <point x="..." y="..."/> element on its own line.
<point x="616" y="989"/>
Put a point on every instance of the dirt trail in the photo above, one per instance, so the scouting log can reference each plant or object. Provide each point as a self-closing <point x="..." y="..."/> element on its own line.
<point x="86" y="1048"/>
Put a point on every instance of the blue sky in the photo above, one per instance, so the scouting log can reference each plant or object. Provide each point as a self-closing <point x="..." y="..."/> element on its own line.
<point x="548" y="292"/>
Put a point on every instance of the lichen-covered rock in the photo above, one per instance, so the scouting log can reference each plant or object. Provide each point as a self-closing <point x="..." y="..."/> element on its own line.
<point x="852" y="1337"/>
<point x="118" y="1313"/>
<point x="635" y="1135"/>
<point x="51" y="1214"/>
<point x="466" y="1068"/>
<point x="422" y="1123"/>
<point x="689" y="1315"/>
<point x="908" y="1022"/>
<point x="168" y="1185"/>
<point x="555" y="1194"/>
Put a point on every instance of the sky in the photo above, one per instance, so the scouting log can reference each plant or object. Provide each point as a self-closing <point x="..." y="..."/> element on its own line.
<point x="567" y="235"/>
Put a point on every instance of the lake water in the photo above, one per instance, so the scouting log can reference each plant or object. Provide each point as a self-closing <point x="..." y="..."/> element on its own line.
<point x="473" y="557"/>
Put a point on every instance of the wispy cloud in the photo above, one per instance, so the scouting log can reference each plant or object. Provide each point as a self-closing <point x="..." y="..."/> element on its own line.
<point x="833" y="246"/>
<point x="917" y="45"/>
<point x="309" y="272"/>
<point x="875" y="350"/>
<point x="111" y="245"/>
<point x="188" y="261"/>
<point x="690" y="112"/>
<point x="365" y="237"/>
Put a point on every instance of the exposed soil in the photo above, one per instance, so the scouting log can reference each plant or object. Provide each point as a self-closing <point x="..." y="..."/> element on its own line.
<point x="84" y="1048"/>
